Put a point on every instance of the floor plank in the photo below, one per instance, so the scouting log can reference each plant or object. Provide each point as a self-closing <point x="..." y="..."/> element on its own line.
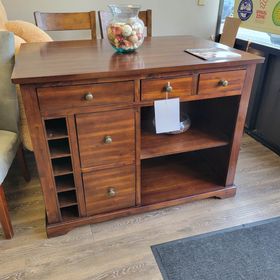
<point x="120" y="249"/>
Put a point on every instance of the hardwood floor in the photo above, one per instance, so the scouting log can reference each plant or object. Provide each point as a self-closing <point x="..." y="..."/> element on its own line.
<point x="120" y="249"/>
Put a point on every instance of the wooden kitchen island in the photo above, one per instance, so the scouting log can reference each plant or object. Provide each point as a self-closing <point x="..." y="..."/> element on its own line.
<point x="90" y="114"/>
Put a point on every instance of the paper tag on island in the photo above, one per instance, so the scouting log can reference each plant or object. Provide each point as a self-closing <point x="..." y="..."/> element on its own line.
<point x="167" y="115"/>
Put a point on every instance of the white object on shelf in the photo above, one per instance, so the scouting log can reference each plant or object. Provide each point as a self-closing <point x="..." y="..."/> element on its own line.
<point x="167" y="115"/>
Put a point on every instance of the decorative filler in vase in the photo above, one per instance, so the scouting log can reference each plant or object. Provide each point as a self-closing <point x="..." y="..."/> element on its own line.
<point x="126" y="30"/>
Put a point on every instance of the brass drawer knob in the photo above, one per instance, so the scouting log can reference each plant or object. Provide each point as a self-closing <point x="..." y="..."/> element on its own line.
<point x="88" y="96"/>
<point x="168" y="88"/>
<point x="108" y="140"/>
<point x="111" y="192"/>
<point x="223" y="83"/>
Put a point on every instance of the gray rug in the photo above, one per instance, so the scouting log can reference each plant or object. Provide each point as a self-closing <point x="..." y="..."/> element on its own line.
<point x="247" y="252"/>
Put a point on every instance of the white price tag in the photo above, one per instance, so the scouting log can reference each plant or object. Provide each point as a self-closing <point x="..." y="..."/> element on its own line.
<point x="167" y="115"/>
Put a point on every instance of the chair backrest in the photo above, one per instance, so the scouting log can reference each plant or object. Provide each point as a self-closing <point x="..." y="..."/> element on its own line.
<point x="104" y="18"/>
<point x="230" y="30"/>
<point x="9" y="115"/>
<point x="67" y="21"/>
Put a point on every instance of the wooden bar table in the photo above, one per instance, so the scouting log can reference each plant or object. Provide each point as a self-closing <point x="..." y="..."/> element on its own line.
<point x="90" y="115"/>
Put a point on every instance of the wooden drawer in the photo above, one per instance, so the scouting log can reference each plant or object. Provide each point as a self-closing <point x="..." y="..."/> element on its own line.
<point x="226" y="83"/>
<point x="106" y="138"/>
<point x="109" y="189"/>
<point x="152" y="89"/>
<point x="55" y="98"/>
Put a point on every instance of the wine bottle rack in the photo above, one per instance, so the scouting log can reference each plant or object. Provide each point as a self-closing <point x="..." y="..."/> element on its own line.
<point x="61" y="159"/>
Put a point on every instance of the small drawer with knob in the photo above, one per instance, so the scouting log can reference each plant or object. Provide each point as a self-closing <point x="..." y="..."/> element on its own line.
<point x="110" y="189"/>
<point x="153" y="89"/>
<point x="106" y="138"/>
<point x="66" y="97"/>
<point x="224" y="83"/>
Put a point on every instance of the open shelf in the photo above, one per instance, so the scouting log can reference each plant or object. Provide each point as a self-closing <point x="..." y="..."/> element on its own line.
<point x="59" y="148"/>
<point x="69" y="213"/>
<point x="62" y="166"/>
<point x="212" y="126"/>
<point x="154" y="145"/>
<point x="173" y="177"/>
<point x="67" y="199"/>
<point x="64" y="183"/>
<point x="56" y="128"/>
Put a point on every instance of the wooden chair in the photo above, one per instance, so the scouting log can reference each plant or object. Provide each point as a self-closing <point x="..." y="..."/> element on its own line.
<point x="67" y="21"/>
<point x="10" y="143"/>
<point x="104" y="17"/>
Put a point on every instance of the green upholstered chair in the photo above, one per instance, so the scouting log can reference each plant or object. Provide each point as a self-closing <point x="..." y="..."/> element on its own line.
<point x="10" y="144"/>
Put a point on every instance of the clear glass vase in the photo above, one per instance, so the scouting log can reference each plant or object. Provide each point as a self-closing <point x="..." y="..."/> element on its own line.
<point x="126" y="30"/>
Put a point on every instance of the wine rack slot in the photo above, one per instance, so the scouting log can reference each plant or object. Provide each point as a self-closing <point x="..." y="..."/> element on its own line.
<point x="59" y="148"/>
<point x="61" y="159"/>
<point x="62" y="166"/>
<point x="67" y="199"/>
<point x="69" y="213"/>
<point x="64" y="183"/>
<point x="56" y="128"/>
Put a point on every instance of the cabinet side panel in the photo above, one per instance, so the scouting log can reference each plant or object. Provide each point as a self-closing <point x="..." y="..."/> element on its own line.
<point x="39" y="143"/>
<point x="240" y="122"/>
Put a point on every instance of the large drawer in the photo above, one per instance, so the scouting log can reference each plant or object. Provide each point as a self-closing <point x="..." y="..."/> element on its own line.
<point x="64" y="97"/>
<point x="227" y="82"/>
<point x="109" y="189"/>
<point x="106" y="138"/>
<point x="152" y="89"/>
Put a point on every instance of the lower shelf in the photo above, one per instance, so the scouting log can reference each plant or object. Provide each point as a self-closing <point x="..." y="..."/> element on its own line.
<point x="173" y="177"/>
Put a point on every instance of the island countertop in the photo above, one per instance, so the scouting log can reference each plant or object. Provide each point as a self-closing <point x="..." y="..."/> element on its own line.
<point x="89" y="59"/>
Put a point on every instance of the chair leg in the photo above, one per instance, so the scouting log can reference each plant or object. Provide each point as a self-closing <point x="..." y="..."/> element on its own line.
<point x="4" y="216"/>
<point x="22" y="162"/>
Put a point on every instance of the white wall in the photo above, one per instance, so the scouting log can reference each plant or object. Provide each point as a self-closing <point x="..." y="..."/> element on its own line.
<point x="177" y="17"/>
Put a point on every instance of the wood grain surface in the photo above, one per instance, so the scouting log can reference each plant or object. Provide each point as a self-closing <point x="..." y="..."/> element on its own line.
<point x="92" y="130"/>
<point x="211" y="82"/>
<point x="97" y="185"/>
<point x="56" y="98"/>
<point x="154" y="145"/>
<point x="80" y="60"/>
<point x="174" y="177"/>
<point x="5" y="219"/>
<point x="40" y="147"/>
<point x="152" y="89"/>
<point x="67" y="21"/>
